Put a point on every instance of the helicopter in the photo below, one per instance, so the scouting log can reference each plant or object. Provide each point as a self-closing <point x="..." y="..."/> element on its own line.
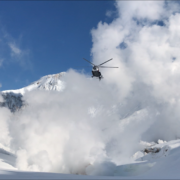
<point x="95" y="69"/>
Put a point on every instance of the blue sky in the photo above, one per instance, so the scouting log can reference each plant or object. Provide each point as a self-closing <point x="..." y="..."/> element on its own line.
<point x="38" y="38"/>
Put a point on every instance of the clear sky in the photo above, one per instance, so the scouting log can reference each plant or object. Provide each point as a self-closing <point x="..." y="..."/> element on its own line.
<point x="38" y="38"/>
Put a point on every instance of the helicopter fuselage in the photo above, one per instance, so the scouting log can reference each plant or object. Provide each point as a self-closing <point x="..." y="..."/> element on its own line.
<point x="96" y="73"/>
<point x="95" y="69"/>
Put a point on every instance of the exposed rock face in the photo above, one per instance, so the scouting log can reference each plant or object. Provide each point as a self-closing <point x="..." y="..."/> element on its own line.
<point x="12" y="101"/>
<point x="152" y="150"/>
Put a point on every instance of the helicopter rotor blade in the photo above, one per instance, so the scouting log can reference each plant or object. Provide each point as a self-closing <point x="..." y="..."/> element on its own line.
<point x="89" y="62"/>
<point x="106" y="61"/>
<point x="106" y="67"/>
<point x="82" y="66"/>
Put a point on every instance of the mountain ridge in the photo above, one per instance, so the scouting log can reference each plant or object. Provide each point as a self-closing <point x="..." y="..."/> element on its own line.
<point x="12" y="99"/>
<point x="48" y="82"/>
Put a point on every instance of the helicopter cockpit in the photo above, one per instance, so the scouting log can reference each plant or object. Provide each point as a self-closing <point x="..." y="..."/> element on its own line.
<point x="95" y="68"/>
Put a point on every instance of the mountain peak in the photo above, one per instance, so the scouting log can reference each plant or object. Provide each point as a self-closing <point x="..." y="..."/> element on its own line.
<point x="48" y="82"/>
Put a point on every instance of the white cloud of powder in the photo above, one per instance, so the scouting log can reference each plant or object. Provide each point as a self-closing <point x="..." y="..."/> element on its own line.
<point x="56" y="133"/>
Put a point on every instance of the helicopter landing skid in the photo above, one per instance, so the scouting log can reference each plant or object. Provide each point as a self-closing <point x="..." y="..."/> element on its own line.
<point x="100" y="77"/>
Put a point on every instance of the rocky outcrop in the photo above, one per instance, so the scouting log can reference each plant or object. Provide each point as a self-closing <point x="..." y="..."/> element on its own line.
<point x="13" y="101"/>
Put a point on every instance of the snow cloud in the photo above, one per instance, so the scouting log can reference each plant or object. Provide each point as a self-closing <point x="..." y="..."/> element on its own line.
<point x="5" y="138"/>
<point x="150" y="39"/>
<point x="144" y="42"/>
<point x="94" y="125"/>
<point x="71" y="130"/>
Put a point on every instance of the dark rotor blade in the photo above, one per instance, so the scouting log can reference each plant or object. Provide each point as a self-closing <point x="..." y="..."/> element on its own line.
<point x="82" y="66"/>
<point x="106" y="61"/>
<point x="106" y="67"/>
<point x="89" y="62"/>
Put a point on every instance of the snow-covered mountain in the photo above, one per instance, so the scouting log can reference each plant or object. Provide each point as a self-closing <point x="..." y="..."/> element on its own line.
<point x="13" y="98"/>
<point x="49" y="82"/>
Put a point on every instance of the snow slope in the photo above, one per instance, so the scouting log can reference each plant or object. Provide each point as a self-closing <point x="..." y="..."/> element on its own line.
<point x="49" y="82"/>
<point x="161" y="165"/>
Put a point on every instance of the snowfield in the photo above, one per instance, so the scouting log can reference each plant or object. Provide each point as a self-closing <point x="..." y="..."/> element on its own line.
<point x="160" y="165"/>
